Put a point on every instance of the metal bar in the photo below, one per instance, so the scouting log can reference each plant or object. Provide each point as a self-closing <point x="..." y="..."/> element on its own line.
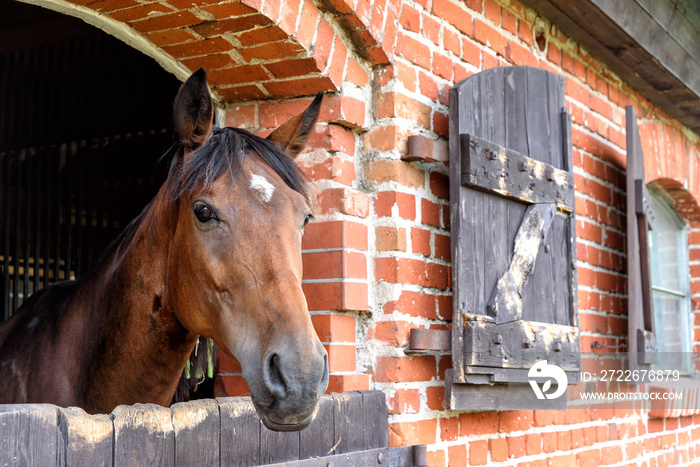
<point x="18" y="213"/>
<point x="675" y="293"/>
<point x="59" y="212"/>
<point x="422" y="340"/>
<point x="6" y="245"/>
<point x="27" y="219"/>
<point x="38" y="190"/>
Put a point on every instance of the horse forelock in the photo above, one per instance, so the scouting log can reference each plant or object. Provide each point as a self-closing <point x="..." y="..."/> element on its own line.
<point x="222" y="155"/>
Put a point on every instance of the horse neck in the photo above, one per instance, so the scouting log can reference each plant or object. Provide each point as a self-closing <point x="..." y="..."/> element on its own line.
<point x="142" y="342"/>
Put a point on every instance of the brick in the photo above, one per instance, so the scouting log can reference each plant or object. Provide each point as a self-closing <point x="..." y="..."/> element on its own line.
<point x="490" y="37"/>
<point x="292" y="67"/>
<point x="344" y="110"/>
<point x="403" y="401"/>
<point x="355" y="74"/>
<point x="343" y="200"/>
<point x="169" y="21"/>
<point x="437" y="458"/>
<point x="436" y="398"/>
<point x="478" y="452"/>
<point x="248" y="92"/>
<point x="224" y="10"/>
<point x="386" y="138"/>
<point x="334" y="328"/>
<point x="499" y="449"/>
<point x="478" y="423"/>
<point x="228" y="364"/>
<point x="271" y="51"/>
<point x="449" y="428"/>
<point x="515" y="420"/>
<point x="520" y="55"/>
<point x="405" y="369"/>
<point x="420" y="241"/>
<point x="394" y="333"/>
<point x="203" y="47"/>
<point x="533" y="444"/>
<point x="230" y="386"/>
<point x="589" y="458"/>
<point x="451" y="41"/>
<point x="410" y="271"/>
<point x="391" y="104"/>
<point x="427" y="86"/>
<point x="335" y="234"/>
<point x="431" y="214"/>
<point x="171" y="36"/>
<point x="333" y="168"/>
<point x="334" y="264"/>
<point x="343" y="383"/>
<point x="390" y="238"/>
<point x="210" y="62"/>
<point x="341" y="358"/>
<point x="395" y="204"/>
<point x="443" y="66"/>
<point x="300" y="86"/>
<point x="307" y="24"/>
<point x="457" y="455"/>
<point x="332" y="296"/>
<point x="238" y="75"/>
<point x="414" y="304"/>
<point x="549" y="442"/>
<point x="455" y="14"/>
<point x="443" y="249"/>
<point x="323" y="44"/>
<point x="410" y="18"/>
<point x="401" y="172"/>
<point x="431" y="28"/>
<point x="440" y="185"/>
<point x="441" y="124"/>
<point x="141" y="11"/>
<point x="516" y="446"/>
<point x="414" y="51"/>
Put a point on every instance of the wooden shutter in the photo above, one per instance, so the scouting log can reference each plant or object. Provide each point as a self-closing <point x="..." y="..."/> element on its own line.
<point x="513" y="235"/>
<point x="642" y="341"/>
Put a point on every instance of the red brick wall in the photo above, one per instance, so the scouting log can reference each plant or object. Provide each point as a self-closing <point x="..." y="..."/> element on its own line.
<point x="377" y="257"/>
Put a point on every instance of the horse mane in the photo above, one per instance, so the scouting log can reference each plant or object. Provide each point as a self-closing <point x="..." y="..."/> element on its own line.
<point x="222" y="153"/>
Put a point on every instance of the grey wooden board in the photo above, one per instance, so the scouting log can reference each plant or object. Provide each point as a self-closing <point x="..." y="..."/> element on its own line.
<point x="639" y="303"/>
<point x="652" y="61"/>
<point x="496" y="397"/>
<point x="88" y="439"/>
<point x="495" y="169"/>
<point x="524" y="114"/>
<point x="196" y="425"/>
<point x="376" y="424"/>
<point x="349" y="435"/>
<point x="319" y="438"/>
<point x="143" y="435"/>
<point x="240" y="432"/>
<point x="29" y="435"/>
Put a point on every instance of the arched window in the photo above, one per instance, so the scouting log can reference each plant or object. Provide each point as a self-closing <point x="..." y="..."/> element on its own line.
<point x="670" y="279"/>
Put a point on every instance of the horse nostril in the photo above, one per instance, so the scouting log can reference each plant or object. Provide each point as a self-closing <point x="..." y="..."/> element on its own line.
<point x="272" y="376"/>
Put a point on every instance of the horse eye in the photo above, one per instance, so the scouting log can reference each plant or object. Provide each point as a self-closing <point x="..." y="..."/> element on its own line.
<point x="204" y="213"/>
<point x="307" y="219"/>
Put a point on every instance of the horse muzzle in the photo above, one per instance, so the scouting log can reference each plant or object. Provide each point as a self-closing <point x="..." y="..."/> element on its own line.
<point x="290" y="385"/>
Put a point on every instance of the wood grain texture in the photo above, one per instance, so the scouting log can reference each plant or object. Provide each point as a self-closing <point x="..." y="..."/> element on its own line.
<point x="29" y="435"/>
<point x="88" y="439"/>
<point x="196" y="425"/>
<point x="143" y="435"/>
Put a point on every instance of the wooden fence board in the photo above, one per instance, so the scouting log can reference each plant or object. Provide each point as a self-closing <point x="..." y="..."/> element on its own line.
<point x="143" y="435"/>
<point x="87" y="439"/>
<point x="240" y="432"/>
<point x="196" y="426"/>
<point x="318" y="439"/>
<point x="29" y="435"/>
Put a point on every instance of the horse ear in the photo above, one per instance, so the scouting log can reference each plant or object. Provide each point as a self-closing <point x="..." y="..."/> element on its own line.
<point x="293" y="135"/>
<point x="193" y="111"/>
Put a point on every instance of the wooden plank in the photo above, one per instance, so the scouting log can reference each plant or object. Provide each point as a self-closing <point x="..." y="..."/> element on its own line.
<point x="497" y="397"/>
<point x="495" y="169"/>
<point x="559" y="244"/>
<point x="519" y="344"/>
<point x="143" y="435"/>
<point x="318" y="439"/>
<point x="278" y="446"/>
<point x="29" y="435"/>
<point x="348" y="412"/>
<point x="515" y="90"/>
<point x="506" y="303"/>
<point x="196" y="425"/>
<point x="240" y="432"/>
<point x="376" y="420"/>
<point x="87" y="438"/>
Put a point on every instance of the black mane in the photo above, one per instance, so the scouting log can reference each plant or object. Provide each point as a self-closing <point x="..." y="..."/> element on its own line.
<point x="222" y="153"/>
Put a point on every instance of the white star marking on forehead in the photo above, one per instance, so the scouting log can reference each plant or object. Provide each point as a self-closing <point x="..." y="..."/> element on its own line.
<point x="263" y="186"/>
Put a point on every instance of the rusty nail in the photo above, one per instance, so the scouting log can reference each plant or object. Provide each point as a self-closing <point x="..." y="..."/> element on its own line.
<point x="522" y="166"/>
<point x="380" y="458"/>
<point x="490" y="155"/>
<point x="550" y="175"/>
<point x="557" y="346"/>
<point x="526" y="343"/>
<point x="497" y="339"/>
<point x="546" y="248"/>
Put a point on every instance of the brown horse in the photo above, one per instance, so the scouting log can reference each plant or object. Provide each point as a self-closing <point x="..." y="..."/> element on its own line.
<point x="217" y="253"/>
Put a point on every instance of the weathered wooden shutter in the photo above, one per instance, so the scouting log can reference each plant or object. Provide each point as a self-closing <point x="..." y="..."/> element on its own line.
<point x="513" y="236"/>
<point x="642" y="341"/>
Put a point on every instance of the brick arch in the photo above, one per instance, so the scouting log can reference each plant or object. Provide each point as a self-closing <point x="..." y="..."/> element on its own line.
<point x="253" y="49"/>
<point x="685" y="203"/>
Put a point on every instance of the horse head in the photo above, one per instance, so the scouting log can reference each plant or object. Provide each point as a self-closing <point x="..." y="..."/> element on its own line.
<point x="235" y="269"/>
